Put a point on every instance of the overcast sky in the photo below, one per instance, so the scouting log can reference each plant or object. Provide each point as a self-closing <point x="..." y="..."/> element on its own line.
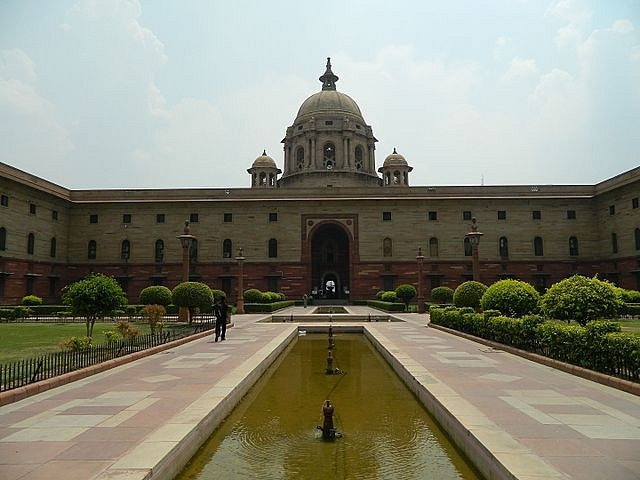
<point x="165" y="93"/>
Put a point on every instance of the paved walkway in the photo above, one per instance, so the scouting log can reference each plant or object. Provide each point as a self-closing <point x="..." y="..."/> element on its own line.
<point x="144" y="419"/>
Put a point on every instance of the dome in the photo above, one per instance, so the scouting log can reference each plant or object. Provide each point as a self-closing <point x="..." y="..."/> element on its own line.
<point x="329" y="100"/>
<point x="264" y="161"/>
<point x="395" y="160"/>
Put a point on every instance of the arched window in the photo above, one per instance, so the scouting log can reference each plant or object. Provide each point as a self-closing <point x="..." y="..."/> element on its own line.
<point x="31" y="243"/>
<point x="433" y="247"/>
<point x="636" y="236"/>
<point x="614" y="243"/>
<point x="396" y="177"/>
<point x="227" y="248"/>
<point x="193" y="251"/>
<point x="300" y="158"/>
<point x="125" y="250"/>
<point x="573" y="246"/>
<point x="159" y="251"/>
<point x="359" y="157"/>
<point x="91" y="250"/>
<point x="538" y="249"/>
<point x="3" y="238"/>
<point x="329" y="155"/>
<point x="273" y="248"/>
<point x="503" y="247"/>
<point x="387" y="247"/>
<point x="53" y="247"/>
<point x="263" y="179"/>
<point x="468" y="251"/>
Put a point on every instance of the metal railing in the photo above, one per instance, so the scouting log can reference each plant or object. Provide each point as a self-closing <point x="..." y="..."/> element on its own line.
<point x="24" y="372"/>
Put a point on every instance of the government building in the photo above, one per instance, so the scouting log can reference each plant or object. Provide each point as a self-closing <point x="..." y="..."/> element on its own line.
<point x="328" y="222"/>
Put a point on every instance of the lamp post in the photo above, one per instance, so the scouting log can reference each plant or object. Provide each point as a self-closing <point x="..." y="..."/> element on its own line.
<point x="420" y="260"/>
<point x="186" y="239"/>
<point x="240" y="302"/>
<point x="474" y="238"/>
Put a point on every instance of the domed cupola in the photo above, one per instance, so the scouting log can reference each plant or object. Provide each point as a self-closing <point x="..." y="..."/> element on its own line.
<point x="329" y="143"/>
<point x="264" y="172"/>
<point x="395" y="170"/>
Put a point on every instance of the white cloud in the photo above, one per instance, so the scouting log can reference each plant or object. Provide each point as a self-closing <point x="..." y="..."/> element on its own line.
<point x="520" y="67"/>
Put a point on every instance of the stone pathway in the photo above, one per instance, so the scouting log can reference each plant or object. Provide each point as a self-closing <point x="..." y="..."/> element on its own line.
<point x="144" y="420"/>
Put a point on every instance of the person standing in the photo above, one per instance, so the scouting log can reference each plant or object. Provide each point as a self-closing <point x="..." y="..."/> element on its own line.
<point x="221" y="312"/>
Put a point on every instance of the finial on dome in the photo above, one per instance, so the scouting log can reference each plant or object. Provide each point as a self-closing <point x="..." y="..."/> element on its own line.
<point x="394" y="151"/>
<point x="329" y="79"/>
<point x="264" y="152"/>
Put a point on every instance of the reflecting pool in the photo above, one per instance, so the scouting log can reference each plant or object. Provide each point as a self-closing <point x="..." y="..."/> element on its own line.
<point x="386" y="432"/>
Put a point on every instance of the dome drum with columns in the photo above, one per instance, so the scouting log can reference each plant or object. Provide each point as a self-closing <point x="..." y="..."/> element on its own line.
<point x="329" y="144"/>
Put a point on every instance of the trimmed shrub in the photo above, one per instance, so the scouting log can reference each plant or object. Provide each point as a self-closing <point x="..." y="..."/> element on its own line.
<point x="389" y="297"/>
<point x="155" y="295"/>
<point x="628" y="296"/>
<point x="379" y="294"/>
<point x="195" y="296"/>
<point x="442" y="295"/>
<point x="468" y="294"/>
<point x="513" y="298"/>
<point x="406" y="292"/>
<point x="31" y="300"/>
<point x="253" y="295"/>
<point x="581" y="299"/>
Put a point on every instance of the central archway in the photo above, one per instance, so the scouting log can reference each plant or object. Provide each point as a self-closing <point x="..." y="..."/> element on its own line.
<point x="330" y="260"/>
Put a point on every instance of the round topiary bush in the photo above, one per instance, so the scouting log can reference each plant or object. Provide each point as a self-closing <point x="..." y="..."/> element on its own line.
<point x="195" y="296"/>
<point x="442" y="295"/>
<point x="468" y="294"/>
<point x="406" y="292"/>
<point x="253" y="295"/>
<point x="514" y="298"/>
<point x="581" y="299"/>
<point x="218" y="295"/>
<point x="390" y="297"/>
<point x="155" y="295"/>
<point x="31" y="300"/>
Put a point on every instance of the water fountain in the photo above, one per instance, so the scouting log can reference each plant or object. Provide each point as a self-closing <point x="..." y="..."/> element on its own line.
<point x="272" y="433"/>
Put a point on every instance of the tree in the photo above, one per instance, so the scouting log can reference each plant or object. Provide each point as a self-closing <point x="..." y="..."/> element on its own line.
<point x="96" y="296"/>
<point x="581" y="299"/>
<point x="513" y="298"/>
<point x="468" y="294"/>
<point x="442" y="294"/>
<point x="155" y="295"/>
<point x="406" y="292"/>
<point x="195" y="296"/>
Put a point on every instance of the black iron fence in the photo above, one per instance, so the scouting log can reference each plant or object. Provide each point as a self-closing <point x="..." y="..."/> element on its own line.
<point x="24" y="372"/>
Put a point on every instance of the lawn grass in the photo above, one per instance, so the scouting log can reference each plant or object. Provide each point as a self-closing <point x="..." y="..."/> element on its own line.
<point x="20" y="341"/>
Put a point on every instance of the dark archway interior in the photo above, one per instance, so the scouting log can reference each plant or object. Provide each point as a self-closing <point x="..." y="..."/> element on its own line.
<point x="330" y="262"/>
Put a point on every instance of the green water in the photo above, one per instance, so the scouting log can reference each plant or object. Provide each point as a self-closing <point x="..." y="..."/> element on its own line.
<point x="272" y="433"/>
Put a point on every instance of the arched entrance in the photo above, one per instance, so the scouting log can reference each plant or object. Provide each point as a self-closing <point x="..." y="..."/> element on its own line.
<point x="330" y="262"/>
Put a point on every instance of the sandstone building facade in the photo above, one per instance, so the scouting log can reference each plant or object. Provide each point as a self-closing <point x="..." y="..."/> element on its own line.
<point x="328" y="217"/>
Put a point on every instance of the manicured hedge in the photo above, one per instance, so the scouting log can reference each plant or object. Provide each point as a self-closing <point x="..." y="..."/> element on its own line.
<point x="386" y="306"/>
<point x="267" y="307"/>
<point x="598" y="346"/>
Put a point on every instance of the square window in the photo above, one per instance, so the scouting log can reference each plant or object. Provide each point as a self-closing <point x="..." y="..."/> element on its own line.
<point x="386" y="216"/>
<point x="126" y="218"/>
<point x="32" y="208"/>
<point x="466" y="215"/>
<point x="273" y="216"/>
<point x="227" y="217"/>
<point x="160" y="218"/>
<point x="502" y="214"/>
<point x="93" y="218"/>
<point x="612" y="209"/>
<point x="571" y="214"/>
<point x="634" y="202"/>
<point x="4" y="200"/>
<point x="432" y="215"/>
<point x="536" y="214"/>
<point x="193" y="218"/>
<point x="54" y="215"/>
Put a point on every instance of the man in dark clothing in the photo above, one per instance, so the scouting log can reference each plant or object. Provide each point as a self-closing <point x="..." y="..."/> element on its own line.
<point x="221" y="311"/>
